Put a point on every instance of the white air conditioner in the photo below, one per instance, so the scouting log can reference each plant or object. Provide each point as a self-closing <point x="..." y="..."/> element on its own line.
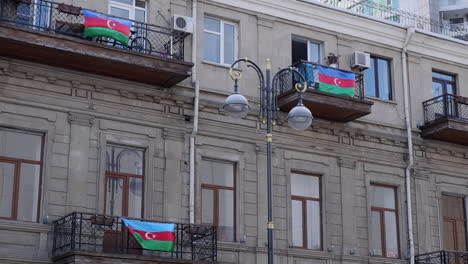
<point x="360" y="60"/>
<point x="182" y="23"/>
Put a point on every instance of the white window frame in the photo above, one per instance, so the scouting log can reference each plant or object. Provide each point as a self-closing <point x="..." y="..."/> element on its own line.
<point x="130" y="8"/>
<point x="320" y="51"/>
<point x="221" y="40"/>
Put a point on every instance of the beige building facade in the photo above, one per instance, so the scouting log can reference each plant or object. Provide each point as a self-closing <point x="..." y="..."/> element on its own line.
<point x="68" y="105"/>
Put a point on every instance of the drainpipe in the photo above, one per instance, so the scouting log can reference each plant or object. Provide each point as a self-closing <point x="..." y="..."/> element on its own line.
<point x="196" y="84"/>
<point x="404" y="58"/>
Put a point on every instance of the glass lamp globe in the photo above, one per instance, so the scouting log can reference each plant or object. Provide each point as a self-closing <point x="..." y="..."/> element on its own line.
<point x="236" y="105"/>
<point x="300" y="117"/>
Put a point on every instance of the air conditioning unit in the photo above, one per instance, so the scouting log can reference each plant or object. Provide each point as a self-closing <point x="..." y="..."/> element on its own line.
<point x="182" y="23"/>
<point x="360" y="60"/>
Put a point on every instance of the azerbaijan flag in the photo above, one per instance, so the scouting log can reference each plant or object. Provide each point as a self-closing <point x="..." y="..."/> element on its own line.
<point x="100" y="25"/>
<point x="152" y="236"/>
<point x="336" y="81"/>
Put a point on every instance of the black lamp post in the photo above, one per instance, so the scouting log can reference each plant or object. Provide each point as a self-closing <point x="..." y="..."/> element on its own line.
<point x="299" y="118"/>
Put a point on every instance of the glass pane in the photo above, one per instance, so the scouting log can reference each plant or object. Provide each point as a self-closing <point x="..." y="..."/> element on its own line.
<point x="450" y="88"/>
<point x="226" y="215"/>
<point x="20" y="145"/>
<point x="391" y="234"/>
<point x="140" y="15"/>
<point x="217" y="173"/>
<point x="23" y="14"/>
<point x="135" y="197"/>
<point x="376" y="235"/>
<point x="229" y="43"/>
<point x="141" y="4"/>
<point x="297" y="236"/>
<point x="212" y="24"/>
<point x="124" y="159"/>
<point x="369" y="80"/>
<point x="305" y="185"/>
<point x="7" y="183"/>
<point x="128" y="2"/>
<point x="28" y="199"/>
<point x="384" y="79"/>
<point x="114" y="196"/>
<point x="443" y="76"/>
<point x="314" y="52"/>
<point x="437" y="89"/>
<point x="212" y="47"/>
<point x="383" y="197"/>
<point x="207" y="206"/>
<point x="119" y="12"/>
<point x="313" y="225"/>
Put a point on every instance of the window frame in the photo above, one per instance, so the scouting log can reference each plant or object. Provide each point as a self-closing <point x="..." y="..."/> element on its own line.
<point x="454" y="221"/>
<point x="221" y="40"/>
<point x="17" y="177"/>
<point x="303" y="200"/>
<point x="215" y="189"/>
<point x="375" y="59"/>
<point x="309" y="42"/>
<point x="381" y="211"/>
<point x="126" y="182"/>
<point x="445" y="82"/>
<point x="130" y="8"/>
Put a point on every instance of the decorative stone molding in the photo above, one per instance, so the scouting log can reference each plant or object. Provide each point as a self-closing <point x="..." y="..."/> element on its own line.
<point x="81" y="119"/>
<point x="347" y="163"/>
<point x="174" y="134"/>
<point x="421" y="174"/>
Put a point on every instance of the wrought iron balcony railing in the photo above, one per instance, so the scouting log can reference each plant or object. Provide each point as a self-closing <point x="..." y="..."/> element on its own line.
<point x="309" y="70"/>
<point x="383" y="12"/>
<point x="442" y="257"/>
<point x="50" y="17"/>
<point x="86" y="232"/>
<point x="445" y="106"/>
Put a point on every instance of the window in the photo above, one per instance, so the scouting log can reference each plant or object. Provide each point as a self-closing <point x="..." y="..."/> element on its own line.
<point x="454" y="218"/>
<point x="35" y="14"/>
<point x="124" y="181"/>
<point x="384" y="222"/>
<point x="220" y="41"/>
<point x="458" y="20"/>
<point x="20" y="175"/>
<point x="378" y="79"/>
<point x="131" y="9"/>
<point x="218" y="197"/>
<point x="443" y="83"/>
<point x="305" y="50"/>
<point x="306" y="211"/>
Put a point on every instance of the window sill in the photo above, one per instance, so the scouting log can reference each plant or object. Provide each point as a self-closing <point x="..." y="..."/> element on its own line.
<point x="24" y="226"/>
<point x="219" y="65"/>
<point x="372" y="98"/>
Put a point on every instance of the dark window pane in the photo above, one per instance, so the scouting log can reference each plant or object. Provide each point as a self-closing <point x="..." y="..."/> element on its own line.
<point x="141" y="4"/>
<point x="376" y="234"/>
<point x="7" y="181"/>
<point x="20" y="145"/>
<point x="314" y="231"/>
<point x="305" y="185"/>
<point x="127" y="2"/>
<point x="369" y="80"/>
<point x="384" y="79"/>
<point x="391" y="235"/>
<point x="297" y="225"/>
<point x="226" y="215"/>
<point x="135" y="197"/>
<point x="383" y="197"/>
<point x="114" y="196"/>
<point x="124" y="160"/>
<point x="207" y="206"/>
<point x="299" y="50"/>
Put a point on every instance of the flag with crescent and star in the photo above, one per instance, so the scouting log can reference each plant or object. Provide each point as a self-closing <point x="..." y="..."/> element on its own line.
<point x="152" y="236"/>
<point x="336" y="81"/>
<point x="100" y="25"/>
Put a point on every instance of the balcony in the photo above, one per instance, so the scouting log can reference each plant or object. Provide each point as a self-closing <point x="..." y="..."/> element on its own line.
<point x="442" y="257"/>
<point x="51" y="33"/>
<point x="90" y="238"/>
<point x="324" y="105"/>
<point x="446" y="118"/>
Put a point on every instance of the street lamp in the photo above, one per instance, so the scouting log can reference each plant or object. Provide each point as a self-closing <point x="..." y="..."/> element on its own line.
<point x="299" y="118"/>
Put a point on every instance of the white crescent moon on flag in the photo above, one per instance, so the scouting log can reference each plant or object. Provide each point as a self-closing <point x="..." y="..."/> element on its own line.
<point x="148" y="235"/>
<point x="337" y="82"/>
<point x="110" y="24"/>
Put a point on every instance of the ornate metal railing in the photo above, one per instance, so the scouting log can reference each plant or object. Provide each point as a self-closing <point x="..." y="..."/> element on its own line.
<point x="379" y="11"/>
<point x="309" y="70"/>
<point x="68" y="20"/>
<point x="442" y="257"/>
<point x="88" y="232"/>
<point x="445" y="106"/>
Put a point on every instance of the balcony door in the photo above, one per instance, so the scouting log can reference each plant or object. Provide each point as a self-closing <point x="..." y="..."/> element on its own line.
<point x="454" y="223"/>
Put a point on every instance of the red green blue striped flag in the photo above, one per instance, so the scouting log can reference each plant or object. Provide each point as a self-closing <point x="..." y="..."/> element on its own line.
<point x="336" y="81"/>
<point x="100" y="25"/>
<point x="152" y="236"/>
